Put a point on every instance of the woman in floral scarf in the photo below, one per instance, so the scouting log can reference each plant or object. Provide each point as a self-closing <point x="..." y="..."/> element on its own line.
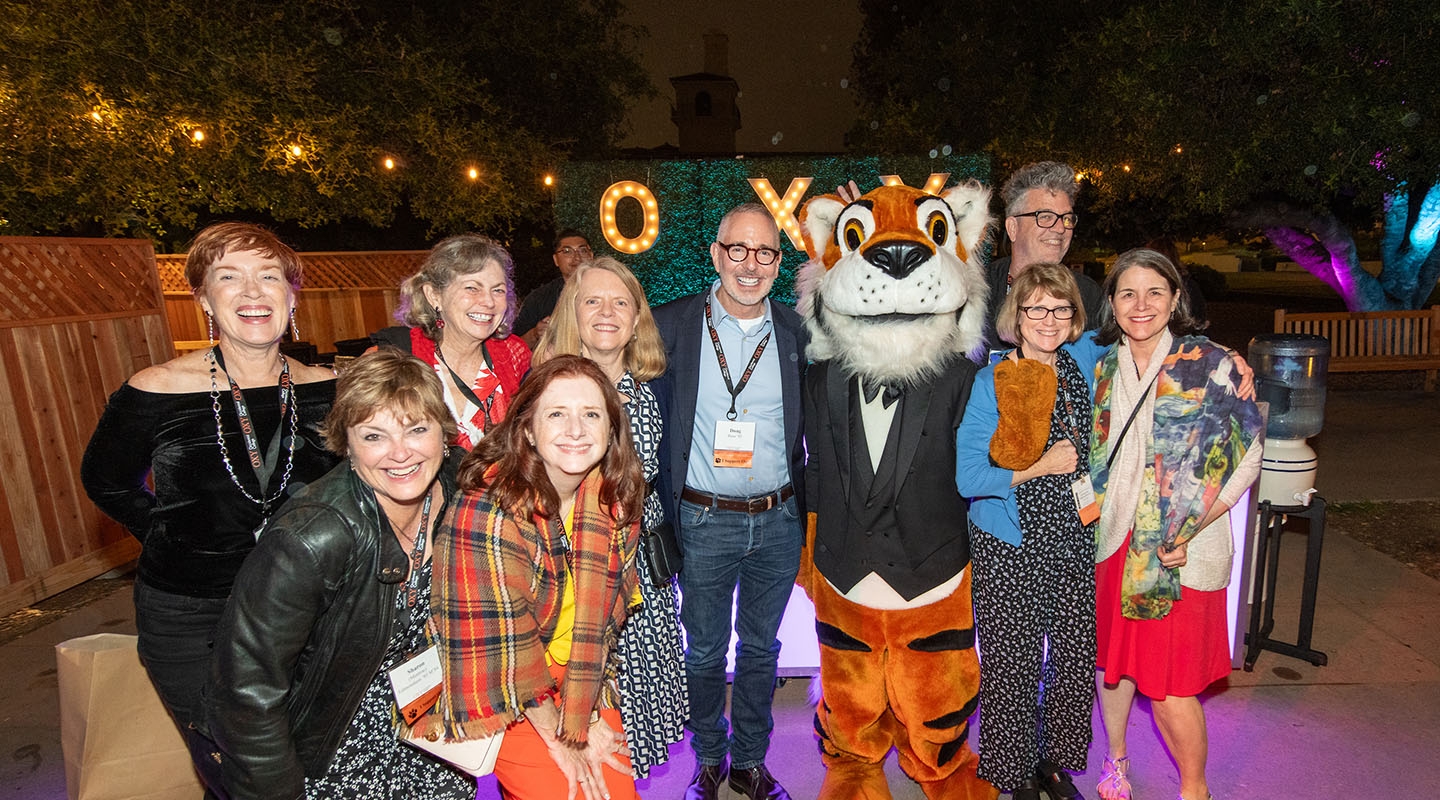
<point x="534" y="574"/>
<point x="1174" y="446"/>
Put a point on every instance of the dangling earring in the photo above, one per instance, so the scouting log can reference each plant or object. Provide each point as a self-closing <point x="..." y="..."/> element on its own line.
<point x="439" y="320"/>
<point x="210" y="325"/>
<point x="294" y="329"/>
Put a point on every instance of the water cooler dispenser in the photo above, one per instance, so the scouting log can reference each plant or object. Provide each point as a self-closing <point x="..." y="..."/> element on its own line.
<point x="1290" y="376"/>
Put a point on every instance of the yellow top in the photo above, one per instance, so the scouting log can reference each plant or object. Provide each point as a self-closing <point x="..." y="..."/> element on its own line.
<point x="559" y="650"/>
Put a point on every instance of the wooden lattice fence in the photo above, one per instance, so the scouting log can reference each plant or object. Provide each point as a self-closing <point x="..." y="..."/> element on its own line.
<point x="78" y="317"/>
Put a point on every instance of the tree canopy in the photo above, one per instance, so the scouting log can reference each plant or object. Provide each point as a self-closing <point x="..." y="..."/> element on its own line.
<point x="142" y="118"/>
<point x="1177" y="112"/>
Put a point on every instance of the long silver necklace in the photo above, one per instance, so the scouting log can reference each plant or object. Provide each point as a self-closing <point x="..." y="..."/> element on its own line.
<point x="287" y="400"/>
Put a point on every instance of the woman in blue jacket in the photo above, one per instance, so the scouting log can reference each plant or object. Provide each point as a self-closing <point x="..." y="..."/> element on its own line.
<point x="1032" y="537"/>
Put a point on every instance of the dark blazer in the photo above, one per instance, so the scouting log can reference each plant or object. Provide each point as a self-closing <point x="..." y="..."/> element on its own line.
<point x="996" y="273"/>
<point x="682" y="327"/>
<point x="930" y="514"/>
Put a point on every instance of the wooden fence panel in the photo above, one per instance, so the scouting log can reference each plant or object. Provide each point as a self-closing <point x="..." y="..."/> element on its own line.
<point x="87" y="314"/>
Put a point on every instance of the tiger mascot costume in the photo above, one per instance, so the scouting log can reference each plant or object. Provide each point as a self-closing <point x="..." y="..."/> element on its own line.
<point x="894" y="299"/>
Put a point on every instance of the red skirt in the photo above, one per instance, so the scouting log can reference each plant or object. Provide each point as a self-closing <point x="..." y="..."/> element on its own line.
<point x="1178" y="655"/>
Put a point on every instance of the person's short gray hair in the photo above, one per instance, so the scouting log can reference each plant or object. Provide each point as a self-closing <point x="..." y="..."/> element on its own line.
<point x="1048" y="175"/>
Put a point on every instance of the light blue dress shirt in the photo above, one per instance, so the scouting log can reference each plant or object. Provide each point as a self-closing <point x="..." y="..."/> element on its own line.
<point x="760" y="402"/>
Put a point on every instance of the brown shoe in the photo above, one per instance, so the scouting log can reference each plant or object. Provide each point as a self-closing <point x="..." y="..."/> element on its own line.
<point x="707" y="781"/>
<point x="757" y="783"/>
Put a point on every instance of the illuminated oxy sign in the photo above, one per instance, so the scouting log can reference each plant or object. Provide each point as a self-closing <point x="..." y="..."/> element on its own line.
<point x="640" y="193"/>
<point x="782" y="208"/>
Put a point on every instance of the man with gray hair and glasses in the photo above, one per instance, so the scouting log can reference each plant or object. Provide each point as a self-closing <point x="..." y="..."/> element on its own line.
<point x="1040" y="220"/>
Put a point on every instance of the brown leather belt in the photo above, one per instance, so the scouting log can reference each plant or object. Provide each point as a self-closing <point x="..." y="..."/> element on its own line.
<point x="748" y="505"/>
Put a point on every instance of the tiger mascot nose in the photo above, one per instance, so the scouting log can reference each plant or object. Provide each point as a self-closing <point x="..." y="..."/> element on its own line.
<point x="897" y="258"/>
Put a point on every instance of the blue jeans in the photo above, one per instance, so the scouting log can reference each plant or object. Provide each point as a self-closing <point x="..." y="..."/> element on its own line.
<point x="761" y="554"/>
<point x="176" y="640"/>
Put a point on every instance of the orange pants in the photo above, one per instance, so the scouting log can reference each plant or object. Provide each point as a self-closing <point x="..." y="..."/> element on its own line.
<point x="525" y="770"/>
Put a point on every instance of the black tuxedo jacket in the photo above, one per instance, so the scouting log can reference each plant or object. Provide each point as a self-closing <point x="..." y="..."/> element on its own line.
<point x="682" y="327"/>
<point x="931" y="516"/>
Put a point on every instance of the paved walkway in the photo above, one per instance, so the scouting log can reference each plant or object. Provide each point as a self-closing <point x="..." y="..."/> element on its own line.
<point x="1366" y="725"/>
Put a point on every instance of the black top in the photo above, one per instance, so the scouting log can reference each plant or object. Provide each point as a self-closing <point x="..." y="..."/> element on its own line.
<point x="196" y="527"/>
<point x="537" y="305"/>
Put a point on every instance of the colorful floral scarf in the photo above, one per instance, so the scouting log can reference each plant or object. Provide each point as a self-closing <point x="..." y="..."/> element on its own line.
<point x="496" y="601"/>
<point x="1202" y="430"/>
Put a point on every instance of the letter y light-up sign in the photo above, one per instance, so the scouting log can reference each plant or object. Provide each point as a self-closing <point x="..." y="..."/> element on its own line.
<point x="783" y="208"/>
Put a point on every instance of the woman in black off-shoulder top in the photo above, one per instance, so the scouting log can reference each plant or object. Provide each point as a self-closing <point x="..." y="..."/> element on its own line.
<point x="180" y="423"/>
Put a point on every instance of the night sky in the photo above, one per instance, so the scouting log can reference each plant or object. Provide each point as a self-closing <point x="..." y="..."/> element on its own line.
<point x="790" y="57"/>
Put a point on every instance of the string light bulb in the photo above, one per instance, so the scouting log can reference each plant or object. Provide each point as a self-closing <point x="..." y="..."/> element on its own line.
<point x="388" y="163"/>
<point x="296" y="150"/>
<point x="197" y="136"/>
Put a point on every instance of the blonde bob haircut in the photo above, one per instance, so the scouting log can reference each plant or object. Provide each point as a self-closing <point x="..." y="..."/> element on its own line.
<point x="1055" y="280"/>
<point x="385" y="380"/>
<point x="644" y="354"/>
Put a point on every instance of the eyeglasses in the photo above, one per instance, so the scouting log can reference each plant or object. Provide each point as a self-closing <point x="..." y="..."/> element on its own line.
<point x="1047" y="219"/>
<point x="582" y="250"/>
<point x="1038" y="313"/>
<point x="764" y="256"/>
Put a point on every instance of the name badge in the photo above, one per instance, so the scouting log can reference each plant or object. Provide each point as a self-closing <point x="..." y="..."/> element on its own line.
<point x="734" y="444"/>
<point x="416" y="683"/>
<point x="1085" y="503"/>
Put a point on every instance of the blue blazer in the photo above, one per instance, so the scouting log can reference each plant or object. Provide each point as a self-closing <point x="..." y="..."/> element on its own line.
<point x="682" y="327"/>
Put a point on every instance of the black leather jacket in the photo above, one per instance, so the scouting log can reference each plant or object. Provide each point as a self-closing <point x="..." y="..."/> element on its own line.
<point x="305" y="632"/>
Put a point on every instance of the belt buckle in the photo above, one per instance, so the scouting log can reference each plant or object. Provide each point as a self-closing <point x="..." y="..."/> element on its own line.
<point x="759" y="505"/>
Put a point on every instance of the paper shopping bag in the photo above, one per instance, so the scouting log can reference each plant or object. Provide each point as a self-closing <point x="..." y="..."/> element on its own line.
<point x="118" y="740"/>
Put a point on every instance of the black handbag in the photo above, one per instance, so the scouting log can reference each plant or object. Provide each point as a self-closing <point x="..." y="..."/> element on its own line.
<point x="662" y="551"/>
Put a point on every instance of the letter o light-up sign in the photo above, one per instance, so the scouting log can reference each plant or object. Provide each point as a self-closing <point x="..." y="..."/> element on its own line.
<point x="641" y="194"/>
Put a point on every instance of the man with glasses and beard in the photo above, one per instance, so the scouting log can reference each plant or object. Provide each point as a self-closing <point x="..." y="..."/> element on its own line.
<point x="731" y="478"/>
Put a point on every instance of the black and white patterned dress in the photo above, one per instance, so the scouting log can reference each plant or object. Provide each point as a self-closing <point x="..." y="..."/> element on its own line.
<point x="653" y="701"/>
<point x="371" y="762"/>
<point x="1035" y="612"/>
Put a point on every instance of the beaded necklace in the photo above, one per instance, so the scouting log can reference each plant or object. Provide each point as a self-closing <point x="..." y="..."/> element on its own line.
<point x="263" y="470"/>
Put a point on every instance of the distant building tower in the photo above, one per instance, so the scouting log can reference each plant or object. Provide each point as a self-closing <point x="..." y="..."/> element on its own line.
<point x="705" y="110"/>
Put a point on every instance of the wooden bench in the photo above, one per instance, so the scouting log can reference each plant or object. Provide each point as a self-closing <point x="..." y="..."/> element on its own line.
<point x="1374" y="341"/>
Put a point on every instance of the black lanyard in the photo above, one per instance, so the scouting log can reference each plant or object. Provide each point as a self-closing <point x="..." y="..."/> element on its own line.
<point x="725" y="367"/>
<point x="417" y="552"/>
<point x="465" y="389"/>
<point x="264" y="466"/>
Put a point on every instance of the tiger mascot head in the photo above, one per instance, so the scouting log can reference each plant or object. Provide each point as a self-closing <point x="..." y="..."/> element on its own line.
<point x="894" y="286"/>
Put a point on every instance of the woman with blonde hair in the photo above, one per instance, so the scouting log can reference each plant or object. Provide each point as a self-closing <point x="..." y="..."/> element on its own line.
<point x="602" y="314"/>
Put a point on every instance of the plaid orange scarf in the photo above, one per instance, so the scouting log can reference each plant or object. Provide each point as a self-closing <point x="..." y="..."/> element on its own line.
<point x="496" y="600"/>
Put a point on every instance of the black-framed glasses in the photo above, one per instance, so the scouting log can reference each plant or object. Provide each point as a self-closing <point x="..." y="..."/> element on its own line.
<point x="764" y="256"/>
<point x="1038" y="313"/>
<point x="1046" y="218"/>
<point x="583" y="251"/>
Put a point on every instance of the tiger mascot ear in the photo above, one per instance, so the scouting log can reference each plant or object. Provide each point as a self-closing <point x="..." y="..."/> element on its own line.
<point x="817" y="223"/>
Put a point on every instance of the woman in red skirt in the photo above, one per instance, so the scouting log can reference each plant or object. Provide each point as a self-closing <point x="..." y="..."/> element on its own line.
<point x="1174" y="447"/>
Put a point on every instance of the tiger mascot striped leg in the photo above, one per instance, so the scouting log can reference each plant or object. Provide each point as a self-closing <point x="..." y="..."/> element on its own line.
<point x="904" y="679"/>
